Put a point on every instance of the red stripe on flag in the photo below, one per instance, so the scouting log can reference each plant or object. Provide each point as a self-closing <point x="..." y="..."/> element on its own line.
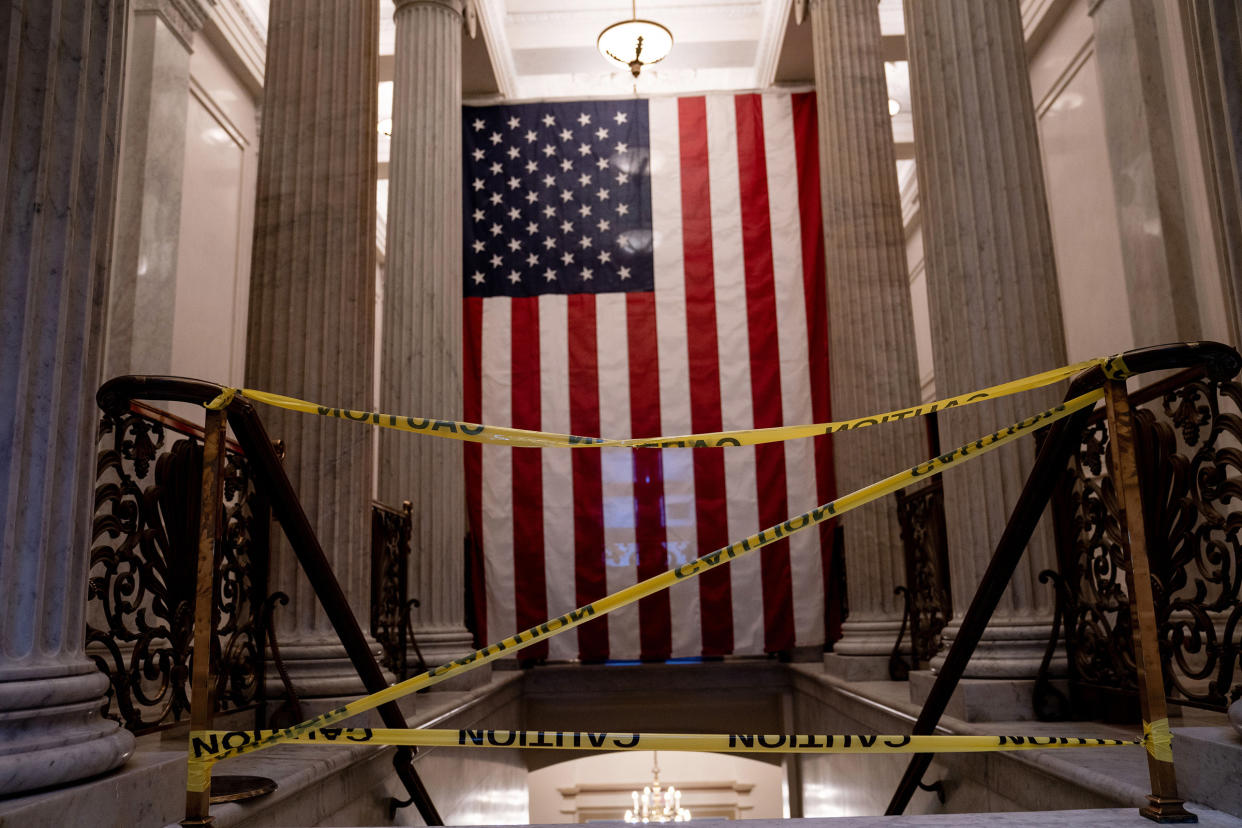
<point x="472" y="404"/>
<point x="765" y="360"/>
<point x="589" y="575"/>
<point x="529" y="582"/>
<point x="711" y="504"/>
<point x="810" y="208"/>
<point x="655" y="621"/>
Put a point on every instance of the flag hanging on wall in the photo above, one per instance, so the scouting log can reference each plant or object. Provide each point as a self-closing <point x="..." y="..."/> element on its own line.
<point x="643" y="268"/>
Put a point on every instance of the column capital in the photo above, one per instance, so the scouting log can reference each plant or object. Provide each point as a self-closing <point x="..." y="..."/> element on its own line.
<point x="457" y="7"/>
<point x="182" y="17"/>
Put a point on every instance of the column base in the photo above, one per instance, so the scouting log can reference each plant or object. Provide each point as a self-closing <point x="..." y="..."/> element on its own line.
<point x="320" y="670"/>
<point x="984" y="700"/>
<point x="1007" y="650"/>
<point x="440" y="646"/>
<point x="864" y="650"/>
<point x="51" y="731"/>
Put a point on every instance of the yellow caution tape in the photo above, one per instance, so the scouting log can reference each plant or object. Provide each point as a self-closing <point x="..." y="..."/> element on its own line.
<point x="633" y="593"/>
<point x="198" y="774"/>
<point x="209" y="743"/>
<point x="519" y="437"/>
<point x="1158" y="739"/>
<point x="222" y="399"/>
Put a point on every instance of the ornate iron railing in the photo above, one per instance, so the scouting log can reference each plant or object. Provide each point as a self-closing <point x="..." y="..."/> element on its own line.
<point x="140" y="600"/>
<point x="390" y="601"/>
<point x="929" y="604"/>
<point x="1187" y="437"/>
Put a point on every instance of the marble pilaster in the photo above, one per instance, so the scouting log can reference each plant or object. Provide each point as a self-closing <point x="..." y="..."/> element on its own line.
<point x="312" y="293"/>
<point x="60" y="90"/>
<point x="1146" y="184"/>
<point x="870" y="321"/>
<point x="995" y="312"/>
<point x="421" y="349"/>
<point x="148" y="209"/>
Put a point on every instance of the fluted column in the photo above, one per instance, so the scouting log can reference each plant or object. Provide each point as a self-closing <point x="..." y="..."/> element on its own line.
<point x="312" y="290"/>
<point x="992" y="287"/>
<point x="60" y="92"/>
<point x="421" y="350"/>
<point x="871" y="325"/>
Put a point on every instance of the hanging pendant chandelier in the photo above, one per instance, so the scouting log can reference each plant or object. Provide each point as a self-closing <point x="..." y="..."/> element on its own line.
<point x="656" y="804"/>
<point x="635" y="43"/>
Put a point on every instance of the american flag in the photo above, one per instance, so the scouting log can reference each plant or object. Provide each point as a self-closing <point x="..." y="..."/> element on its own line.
<point x="644" y="268"/>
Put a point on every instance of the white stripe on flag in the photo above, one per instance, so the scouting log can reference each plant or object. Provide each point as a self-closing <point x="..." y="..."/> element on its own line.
<point x="558" y="504"/>
<point x="804" y="551"/>
<point x="497" y="482"/>
<point x="734" y="344"/>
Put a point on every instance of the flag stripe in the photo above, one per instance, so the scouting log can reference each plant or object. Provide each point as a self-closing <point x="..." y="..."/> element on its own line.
<point x="472" y="410"/>
<point x="558" y="506"/>
<point x="497" y="478"/>
<point x="765" y="361"/>
<point x="528" y="550"/>
<point x="588" y="497"/>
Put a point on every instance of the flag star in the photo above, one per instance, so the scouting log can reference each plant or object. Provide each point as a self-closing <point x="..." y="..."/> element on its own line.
<point x="478" y="277"/>
<point x="584" y="149"/>
<point x="566" y="165"/>
<point x="622" y="177"/>
<point x="584" y="119"/>
<point x="549" y="211"/>
<point x="478" y="184"/>
<point x="514" y="213"/>
<point x="515" y="245"/>
<point x="549" y="150"/>
<point x="478" y="245"/>
<point x="496" y="230"/>
<point x="566" y="226"/>
<point x="514" y="123"/>
<point x="495" y="138"/>
<point x="584" y="179"/>
<point x="604" y="257"/>
<point x="478" y="154"/>
<point x="584" y="242"/>
<point x="601" y="133"/>
<point x="496" y="199"/>
<point x="532" y="228"/>
<point x="496" y="260"/>
<point x="531" y="136"/>
<point x="531" y="166"/>
<point x="532" y="260"/>
<point x="514" y="277"/>
<point x="566" y="135"/>
<point x="601" y="162"/>
<point x="602" y="195"/>
<point x="532" y="197"/>
<point x="567" y="196"/>
<point x="624" y="272"/>
<point x="549" y="180"/>
<point x="514" y="152"/>
<point x="567" y="258"/>
<point x="550" y="275"/>
<point x="496" y="168"/>
<point x="620" y="117"/>
<point x="603" y="225"/>
<point x="620" y="147"/>
<point x="549" y="120"/>
<point x="549" y="242"/>
<point x="478" y="214"/>
<point x="478" y="124"/>
<point x="584" y="210"/>
<point x="514" y="183"/>
<point x="623" y="209"/>
<point x="587" y="273"/>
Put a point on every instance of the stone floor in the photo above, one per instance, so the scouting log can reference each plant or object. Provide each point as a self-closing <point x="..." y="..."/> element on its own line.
<point x="1106" y="818"/>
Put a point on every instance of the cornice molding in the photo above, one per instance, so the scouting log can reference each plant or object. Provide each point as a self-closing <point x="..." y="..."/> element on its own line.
<point x="491" y="19"/>
<point x="182" y="17"/>
<point x="771" y="39"/>
<point x="241" y="40"/>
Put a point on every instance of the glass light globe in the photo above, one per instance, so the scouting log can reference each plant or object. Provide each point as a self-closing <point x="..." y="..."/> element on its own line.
<point x="635" y="43"/>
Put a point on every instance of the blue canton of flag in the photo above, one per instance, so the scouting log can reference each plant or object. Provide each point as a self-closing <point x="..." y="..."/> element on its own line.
<point x="557" y="199"/>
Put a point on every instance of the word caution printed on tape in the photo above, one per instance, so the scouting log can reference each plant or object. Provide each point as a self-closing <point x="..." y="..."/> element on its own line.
<point x="523" y="438"/>
<point x="662" y="581"/>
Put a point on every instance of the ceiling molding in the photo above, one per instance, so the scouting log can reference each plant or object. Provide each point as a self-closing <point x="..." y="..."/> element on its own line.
<point x="492" y="24"/>
<point x="771" y="38"/>
<point x="727" y="9"/>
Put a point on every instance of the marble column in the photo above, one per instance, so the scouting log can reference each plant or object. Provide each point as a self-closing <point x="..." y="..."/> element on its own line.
<point x="148" y="209"/>
<point x="312" y="294"/>
<point x="870" y="321"/>
<point x="995" y="312"/>
<point x="1139" y="127"/>
<point x="420" y="368"/>
<point x="60" y="92"/>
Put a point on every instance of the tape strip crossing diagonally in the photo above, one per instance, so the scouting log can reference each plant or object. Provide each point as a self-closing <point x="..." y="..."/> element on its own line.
<point x="664" y="580"/>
